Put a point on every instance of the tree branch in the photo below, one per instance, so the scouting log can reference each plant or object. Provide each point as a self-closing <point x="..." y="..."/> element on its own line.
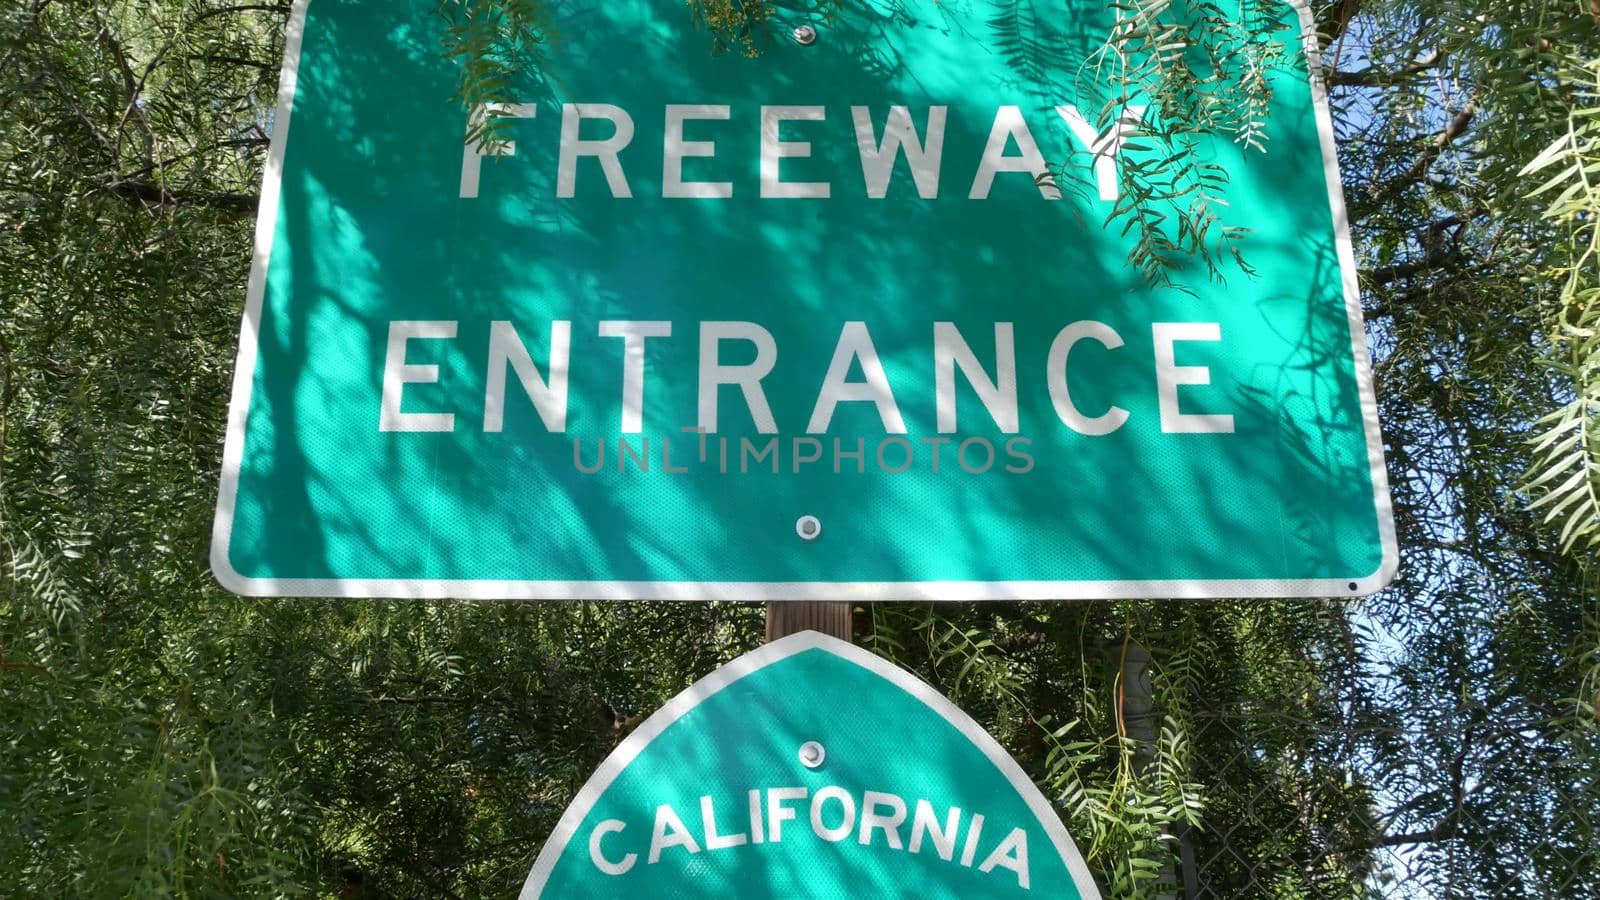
<point x="1337" y="18"/>
<point x="235" y="61"/>
<point x="152" y="195"/>
<point x="1436" y="254"/>
<point x="1454" y="129"/>
<point x="1375" y="77"/>
<point x="132" y="88"/>
<point x="1442" y="832"/>
<point x="248" y="7"/>
<point x="1434" y="259"/>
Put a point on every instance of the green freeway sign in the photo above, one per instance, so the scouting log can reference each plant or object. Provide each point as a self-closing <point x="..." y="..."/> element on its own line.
<point x="757" y="782"/>
<point x="850" y="319"/>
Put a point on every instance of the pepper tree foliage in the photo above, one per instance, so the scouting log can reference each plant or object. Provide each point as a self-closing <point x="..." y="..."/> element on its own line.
<point x="163" y="738"/>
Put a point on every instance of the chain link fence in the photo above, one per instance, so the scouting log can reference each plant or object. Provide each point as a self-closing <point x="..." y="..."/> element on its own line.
<point x="1383" y="804"/>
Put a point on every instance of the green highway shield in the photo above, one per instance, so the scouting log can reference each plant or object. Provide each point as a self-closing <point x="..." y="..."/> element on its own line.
<point x="756" y="782"/>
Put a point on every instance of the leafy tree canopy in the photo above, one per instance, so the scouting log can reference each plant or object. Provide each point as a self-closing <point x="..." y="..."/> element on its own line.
<point x="163" y="738"/>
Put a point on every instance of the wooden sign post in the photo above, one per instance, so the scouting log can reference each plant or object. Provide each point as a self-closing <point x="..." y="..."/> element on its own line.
<point x="833" y="618"/>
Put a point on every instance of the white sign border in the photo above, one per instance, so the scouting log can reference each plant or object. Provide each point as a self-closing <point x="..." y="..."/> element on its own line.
<point x="648" y="730"/>
<point x="473" y="589"/>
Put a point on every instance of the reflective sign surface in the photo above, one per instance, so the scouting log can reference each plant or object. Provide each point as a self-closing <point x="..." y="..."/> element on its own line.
<point x="852" y="318"/>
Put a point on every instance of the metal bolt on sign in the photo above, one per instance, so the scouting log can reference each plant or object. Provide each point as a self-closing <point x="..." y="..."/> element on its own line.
<point x="808" y="527"/>
<point x="805" y="35"/>
<point x="812" y="754"/>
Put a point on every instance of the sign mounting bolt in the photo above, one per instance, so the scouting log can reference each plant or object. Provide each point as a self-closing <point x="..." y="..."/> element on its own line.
<point x="805" y="35"/>
<point x="808" y="527"/>
<point x="812" y="754"/>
